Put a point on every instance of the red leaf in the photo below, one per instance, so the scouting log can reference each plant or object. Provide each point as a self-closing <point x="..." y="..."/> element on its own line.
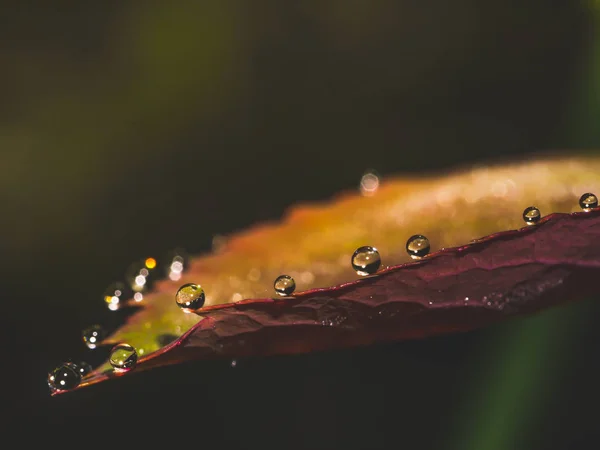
<point x="458" y="289"/>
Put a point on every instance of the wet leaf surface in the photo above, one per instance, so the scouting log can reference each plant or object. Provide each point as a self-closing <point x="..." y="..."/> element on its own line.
<point x="455" y="289"/>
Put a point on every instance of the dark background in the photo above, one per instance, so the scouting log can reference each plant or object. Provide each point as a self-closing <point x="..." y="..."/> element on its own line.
<point x="129" y="129"/>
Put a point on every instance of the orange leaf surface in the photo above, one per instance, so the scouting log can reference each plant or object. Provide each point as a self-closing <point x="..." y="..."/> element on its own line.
<point x="314" y="243"/>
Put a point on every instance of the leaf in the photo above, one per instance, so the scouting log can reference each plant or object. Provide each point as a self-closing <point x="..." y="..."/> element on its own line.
<point x="314" y="244"/>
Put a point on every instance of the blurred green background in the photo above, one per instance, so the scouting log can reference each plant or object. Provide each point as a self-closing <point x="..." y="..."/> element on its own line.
<point x="130" y="128"/>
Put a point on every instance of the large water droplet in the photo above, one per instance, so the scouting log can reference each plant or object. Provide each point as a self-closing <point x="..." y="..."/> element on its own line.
<point x="531" y="215"/>
<point x="92" y="336"/>
<point x="123" y="357"/>
<point x="115" y="295"/>
<point x="64" y="377"/>
<point x="284" y="285"/>
<point x="83" y="368"/>
<point x="417" y="246"/>
<point x="190" y="297"/>
<point x="588" y="201"/>
<point x="366" y="260"/>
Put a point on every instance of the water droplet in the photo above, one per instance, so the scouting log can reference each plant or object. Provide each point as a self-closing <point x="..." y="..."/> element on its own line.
<point x="366" y="260"/>
<point x="369" y="183"/>
<point x="233" y="363"/>
<point x="92" y="336"/>
<point x="531" y="215"/>
<point x="417" y="246"/>
<point x="115" y="295"/>
<point x="284" y="285"/>
<point x="588" y="201"/>
<point x="190" y="297"/>
<point x="64" y="377"/>
<point x="123" y="357"/>
<point x="83" y="368"/>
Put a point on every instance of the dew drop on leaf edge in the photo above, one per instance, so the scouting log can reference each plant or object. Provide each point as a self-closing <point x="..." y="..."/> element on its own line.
<point x="588" y="201"/>
<point x="531" y="215"/>
<point x="190" y="297"/>
<point x="64" y="378"/>
<point x="366" y="260"/>
<point x="92" y="336"/>
<point x="284" y="285"/>
<point x="123" y="357"/>
<point x="417" y="246"/>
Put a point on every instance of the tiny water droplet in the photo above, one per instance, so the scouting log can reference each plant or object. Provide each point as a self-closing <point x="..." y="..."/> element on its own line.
<point x="92" y="336"/>
<point x="233" y="363"/>
<point x="588" y="201"/>
<point x="123" y="357"/>
<point x="115" y="295"/>
<point x="531" y="215"/>
<point x="366" y="260"/>
<point x="369" y="183"/>
<point x="417" y="246"/>
<point x="190" y="297"/>
<point x="284" y="285"/>
<point x="64" y="377"/>
<point x="83" y="368"/>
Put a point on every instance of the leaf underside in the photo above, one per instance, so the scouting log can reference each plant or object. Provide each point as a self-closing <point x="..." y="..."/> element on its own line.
<point x="453" y="289"/>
